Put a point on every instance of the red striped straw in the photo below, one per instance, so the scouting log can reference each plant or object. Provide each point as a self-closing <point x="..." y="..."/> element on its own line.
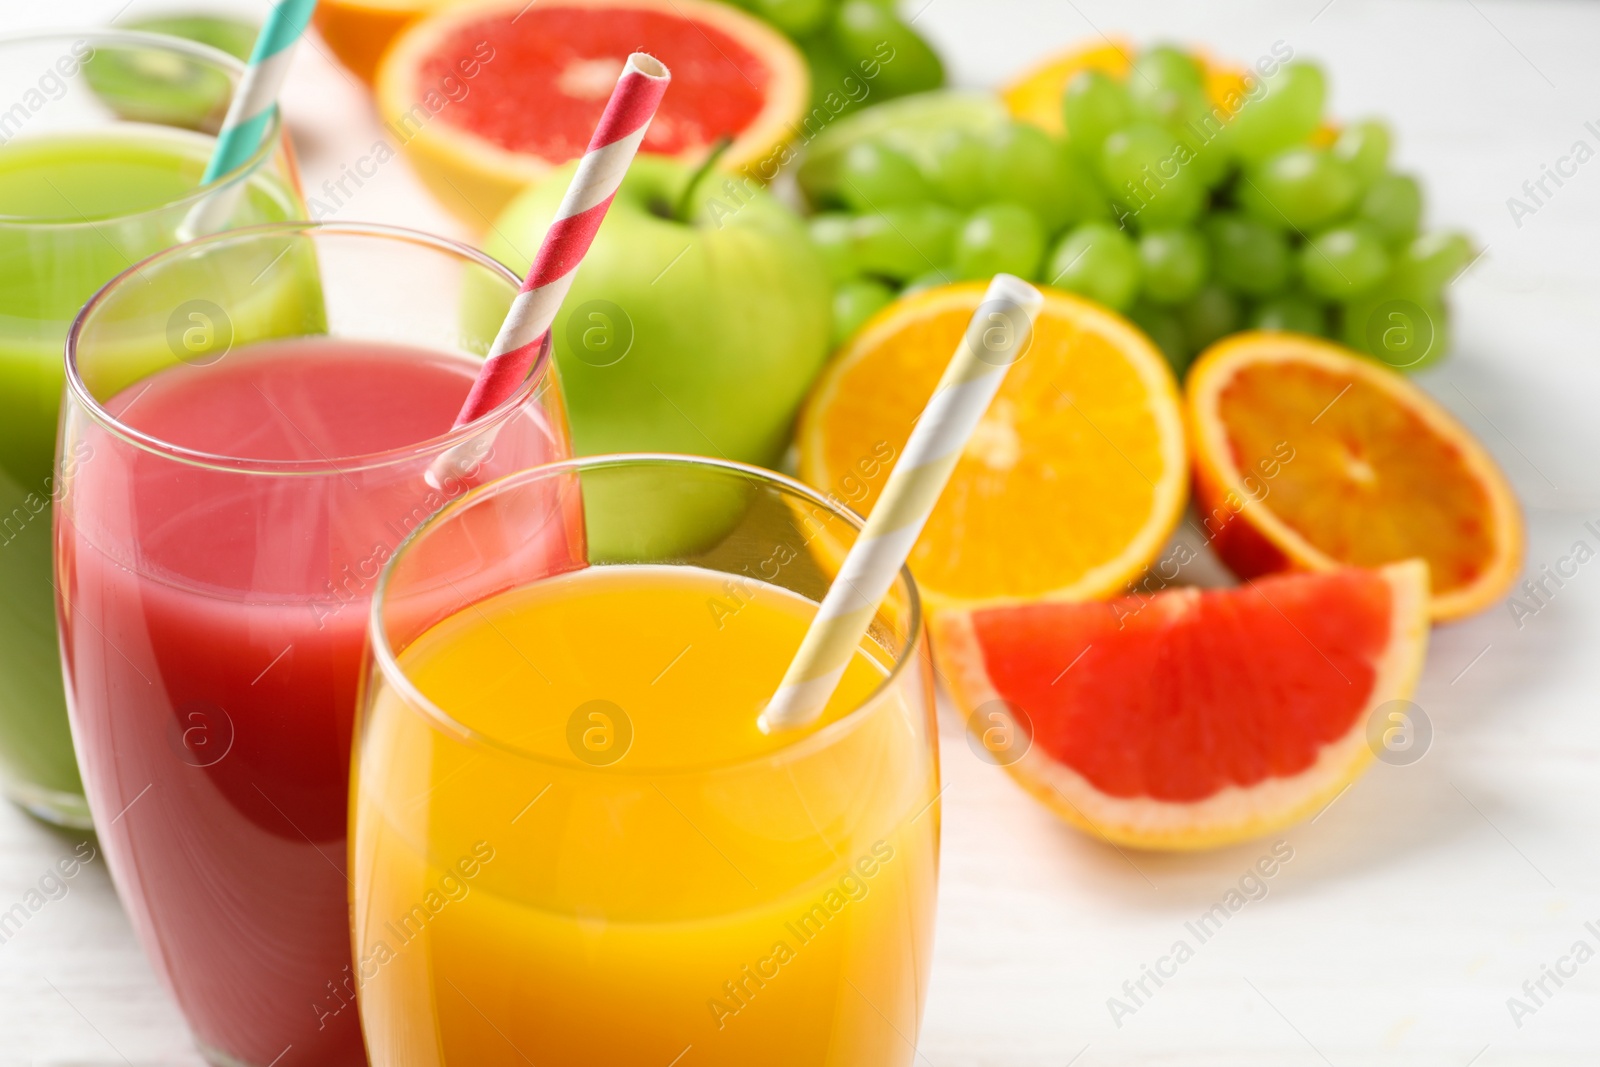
<point x="627" y="116"/>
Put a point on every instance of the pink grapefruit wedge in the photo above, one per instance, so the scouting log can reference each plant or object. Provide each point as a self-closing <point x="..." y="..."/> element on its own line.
<point x="1191" y="718"/>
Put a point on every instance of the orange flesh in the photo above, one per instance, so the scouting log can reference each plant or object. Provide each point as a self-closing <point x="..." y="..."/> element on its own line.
<point x="1178" y="696"/>
<point x="1070" y="447"/>
<point x="1369" y="482"/>
<point x="546" y="75"/>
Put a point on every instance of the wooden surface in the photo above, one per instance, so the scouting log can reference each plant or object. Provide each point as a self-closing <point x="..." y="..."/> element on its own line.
<point x="1421" y="900"/>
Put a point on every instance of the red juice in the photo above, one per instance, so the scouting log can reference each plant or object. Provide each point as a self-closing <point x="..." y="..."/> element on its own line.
<point x="212" y="617"/>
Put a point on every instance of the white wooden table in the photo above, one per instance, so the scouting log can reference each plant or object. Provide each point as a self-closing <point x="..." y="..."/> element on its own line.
<point x="1426" y="896"/>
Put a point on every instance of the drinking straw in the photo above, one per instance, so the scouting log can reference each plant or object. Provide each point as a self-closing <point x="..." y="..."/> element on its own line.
<point x="996" y="337"/>
<point x="622" y="126"/>
<point x="583" y="207"/>
<point x="251" y="108"/>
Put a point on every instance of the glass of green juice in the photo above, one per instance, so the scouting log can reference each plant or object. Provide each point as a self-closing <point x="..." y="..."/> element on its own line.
<point x="104" y="136"/>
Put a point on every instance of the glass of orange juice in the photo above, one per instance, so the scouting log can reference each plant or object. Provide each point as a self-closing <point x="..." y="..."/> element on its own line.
<point x="572" y="844"/>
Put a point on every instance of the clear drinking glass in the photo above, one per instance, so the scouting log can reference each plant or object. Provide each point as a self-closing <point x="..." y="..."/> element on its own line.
<point x="251" y="427"/>
<point x="571" y="842"/>
<point x="102" y="147"/>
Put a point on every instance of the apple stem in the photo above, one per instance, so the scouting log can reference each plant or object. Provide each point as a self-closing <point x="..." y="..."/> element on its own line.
<point x="681" y="212"/>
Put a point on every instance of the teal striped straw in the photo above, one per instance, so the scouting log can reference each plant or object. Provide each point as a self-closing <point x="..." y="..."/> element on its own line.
<point x="254" y="102"/>
<point x="257" y="95"/>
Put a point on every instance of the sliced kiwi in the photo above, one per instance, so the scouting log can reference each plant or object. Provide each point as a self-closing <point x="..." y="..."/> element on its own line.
<point x="144" y="85"/>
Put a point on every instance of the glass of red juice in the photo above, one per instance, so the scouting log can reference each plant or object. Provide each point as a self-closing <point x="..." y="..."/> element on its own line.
<point x="253" y="422"/>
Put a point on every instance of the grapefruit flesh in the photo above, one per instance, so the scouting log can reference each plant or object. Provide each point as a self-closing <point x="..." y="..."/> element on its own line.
<point x="1308" y="456"/>
<point x="555" y="68"/>
<point x="487" y="98"/>
<point x="1194" y="718"/>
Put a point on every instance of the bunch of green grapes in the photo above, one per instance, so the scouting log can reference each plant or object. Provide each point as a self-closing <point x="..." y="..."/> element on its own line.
<point x="1193" y="221"/>
<point x="859" y="51"/>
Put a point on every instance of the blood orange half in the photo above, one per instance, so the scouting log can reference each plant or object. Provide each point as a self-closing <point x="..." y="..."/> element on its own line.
<point x="488" y="97"/>
<point x="1190" y="719"/>
<point x="1309" y="456"/>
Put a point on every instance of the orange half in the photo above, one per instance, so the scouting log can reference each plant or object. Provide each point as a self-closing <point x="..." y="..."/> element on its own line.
<point x="358" y="31"/>
<point x="1072" y="481"/>
<point x="1310" y="457"/>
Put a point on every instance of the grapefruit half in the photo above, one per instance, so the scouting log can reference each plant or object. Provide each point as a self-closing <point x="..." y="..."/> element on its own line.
<point x="488" y="97"/>
<point x="1191" y="718"/>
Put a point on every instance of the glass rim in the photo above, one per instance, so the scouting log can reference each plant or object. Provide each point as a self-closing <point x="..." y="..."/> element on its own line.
<point x="81" y="394"/>
<point x="144" y="39"/>
<point x="394" y="676"/>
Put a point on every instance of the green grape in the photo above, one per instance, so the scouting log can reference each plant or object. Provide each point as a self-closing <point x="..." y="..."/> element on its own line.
<point x="931" y="227"/>
<point x="856" y="302"/>
<point x="874" y="176"/>
<point x="1344" y="261"/>
<point x="1303" y="188"/>
<point x="1167" y="86"/>
<point x="1295" y="312"/>
<point x="1098" y="261"/>
<point x="999" y="238"/>
<point x="829" y="70"/>
<point x="957" y="169"/>
<point x="1164" y="66"/>
<point x="1081" y="195"/>
<point x="903" y="241"/>
<point x="1178" y="203"/>
<point x="1208" y="154"/>
<point x="1393" y="205"/>
<point x="1093" y="107"/>
<point x="868" y="32"/>
<point x="1137" y="152"/>
<point x="931" y="279"/>
<point x="1212" y="314"/>
<point x="1365" y="146"/>
<point x="1143" y="170"/>
<point x="1284" y="115"/>
<point x="1163" y="327"/>
<point x="1431" y="262"/>
<point x="833" y="234"/>
<point x="1024" y="166"/>
<point x="1173" y="264"/>
<point x="796" y="18"/>
<point x="1397" y="327"/>
<point x="1248" y="256"/>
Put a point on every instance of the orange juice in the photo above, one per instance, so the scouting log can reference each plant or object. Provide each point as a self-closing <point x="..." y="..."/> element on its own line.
<point x="586" y="852"/>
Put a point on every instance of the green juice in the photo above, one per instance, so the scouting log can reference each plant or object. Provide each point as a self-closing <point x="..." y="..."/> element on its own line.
<point x="75" y="210"/>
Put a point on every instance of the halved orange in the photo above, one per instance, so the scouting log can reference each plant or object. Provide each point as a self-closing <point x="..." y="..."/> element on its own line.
<point x="358" y="31"/>
<point x="1072" y="481"/>
<point x="488" y="97"/>
<point x="1309" y="456"/>
<point x="1192" y="718"/>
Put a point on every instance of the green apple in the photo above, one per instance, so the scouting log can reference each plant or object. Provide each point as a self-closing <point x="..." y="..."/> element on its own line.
<point x="695" y="324"/>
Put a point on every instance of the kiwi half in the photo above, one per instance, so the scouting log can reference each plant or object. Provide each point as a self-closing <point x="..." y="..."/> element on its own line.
<point x="145" y="85"/>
